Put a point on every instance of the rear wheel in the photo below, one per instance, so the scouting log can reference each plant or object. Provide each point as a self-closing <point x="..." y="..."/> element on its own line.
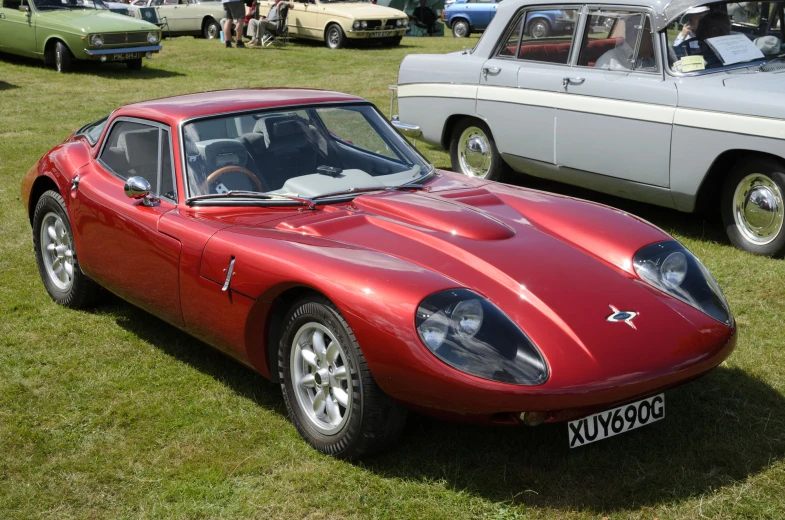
<point x="62" y="58"/>
<point x="460" y="29"/>
<point x="211" y="29"/>
<point x="334" y="37"/>
<point x="53" y="241"/>
<point x="473" y="151"/>
<point x="753" y="206"/>
<point x="330" y="394"/>
<point x="134" y="64"/>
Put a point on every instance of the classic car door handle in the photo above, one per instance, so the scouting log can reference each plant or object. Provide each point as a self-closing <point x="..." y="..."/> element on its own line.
<point x="493" y="71"/>
<point x="229" y="273"/>
<point x="572" y="81"/>
<point x="2" y="15"/>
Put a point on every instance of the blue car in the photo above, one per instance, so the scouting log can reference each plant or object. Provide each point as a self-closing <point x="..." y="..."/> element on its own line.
<point x="467" y="16"/>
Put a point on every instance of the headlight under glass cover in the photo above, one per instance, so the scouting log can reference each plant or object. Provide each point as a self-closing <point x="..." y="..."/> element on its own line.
<point x="96" y="40"/>
<point x="472" y="335"/>
<point x="152" y="37"/>
<point x="669" y="267"/>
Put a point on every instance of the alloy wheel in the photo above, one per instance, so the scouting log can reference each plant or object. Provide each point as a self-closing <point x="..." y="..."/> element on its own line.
<point x="57" y="251"/>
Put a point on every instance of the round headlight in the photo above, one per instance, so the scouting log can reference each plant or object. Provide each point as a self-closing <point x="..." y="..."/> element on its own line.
<point x="674" y="269"/>
<point x="364" y="24"/>
<point x="152" y="37"/>
<point x="356" y="24"/>
<point x="433" y="330"/>
<point x="96" y="40"/>
<point x="398" y="22"/>
<point x="467" y="317"/>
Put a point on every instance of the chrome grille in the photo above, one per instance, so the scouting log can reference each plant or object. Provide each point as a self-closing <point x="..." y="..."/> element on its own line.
<point x="124" y="38"/>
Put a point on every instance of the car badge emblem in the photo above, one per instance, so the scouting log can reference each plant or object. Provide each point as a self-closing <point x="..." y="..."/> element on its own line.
<point x="625" y="316"/>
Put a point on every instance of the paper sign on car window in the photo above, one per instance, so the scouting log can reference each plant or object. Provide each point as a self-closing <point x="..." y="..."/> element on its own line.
<point x="692" y="63"/>
<point x="735" y="48"/>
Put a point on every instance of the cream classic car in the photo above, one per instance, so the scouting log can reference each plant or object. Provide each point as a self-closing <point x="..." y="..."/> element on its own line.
<point x="184" y="17"/>
<point x="339" y="22"/>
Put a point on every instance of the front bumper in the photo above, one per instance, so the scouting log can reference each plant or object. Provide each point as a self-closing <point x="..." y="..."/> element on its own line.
<point x="97" y="53"/>
<point x="365" y="34"/>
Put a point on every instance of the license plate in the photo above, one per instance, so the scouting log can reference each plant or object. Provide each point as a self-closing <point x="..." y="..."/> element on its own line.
<point x="619" y="420"/>
<point x="381" y="34"/>
<point x="125" y="56"/>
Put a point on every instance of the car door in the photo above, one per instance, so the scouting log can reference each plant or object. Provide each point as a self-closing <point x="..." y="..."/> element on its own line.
<point x="167" y="12"/>
<point x="303" y="19"/>
<point x="120" y="245"/>
<point x="17" y="28"/>
<point x="616" y="117"/>
<point x="519" y="88"/>
<point x="480" y="12"/>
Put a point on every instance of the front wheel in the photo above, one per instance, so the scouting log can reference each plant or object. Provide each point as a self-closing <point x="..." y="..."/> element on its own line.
<point x="334" y="37"/>
<point x="62" y="58"/>
<point x="460" y="29"/>
<point x="53" y="241"/>
<point x="330" y="394"/>
<point x="211" y="29"/>
<point x="753" y="206"/>
<point x="473" y="151"/>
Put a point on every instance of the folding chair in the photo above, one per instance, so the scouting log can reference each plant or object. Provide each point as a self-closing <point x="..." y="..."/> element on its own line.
<point x="149" y="14"/>
<point x="281" y="33"/>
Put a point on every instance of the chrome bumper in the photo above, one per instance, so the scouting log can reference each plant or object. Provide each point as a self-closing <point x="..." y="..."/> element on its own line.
<point x="123" y="50"/>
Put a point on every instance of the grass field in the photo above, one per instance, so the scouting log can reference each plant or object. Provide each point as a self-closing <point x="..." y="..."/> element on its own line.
<point x="114" y="414"/>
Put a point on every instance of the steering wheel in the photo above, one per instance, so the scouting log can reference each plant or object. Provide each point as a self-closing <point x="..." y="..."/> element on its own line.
<point x="226" y="169"/>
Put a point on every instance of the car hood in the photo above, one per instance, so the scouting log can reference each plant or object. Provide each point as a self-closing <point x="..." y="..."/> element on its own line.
<point x="90" y="21"/>
<point x="753" y="93"/>
<point x="554" y="265"/>
<point x="362" y="11"/>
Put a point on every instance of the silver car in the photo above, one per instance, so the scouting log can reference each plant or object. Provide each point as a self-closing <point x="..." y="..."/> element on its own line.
<point x="674" y="104"/>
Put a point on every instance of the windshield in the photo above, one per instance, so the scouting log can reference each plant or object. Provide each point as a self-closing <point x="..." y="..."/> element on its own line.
<point x="69" y="4"/>
<point x="720" y="35"/>
<point x="310" y="152"/>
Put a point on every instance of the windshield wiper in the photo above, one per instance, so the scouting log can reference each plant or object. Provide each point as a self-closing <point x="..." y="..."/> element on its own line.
<point x="769" y="61"/>
<point x="251" y="195"/>
<point x="358" y="191"/>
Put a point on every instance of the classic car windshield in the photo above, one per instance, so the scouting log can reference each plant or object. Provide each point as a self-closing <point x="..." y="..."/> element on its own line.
<point x="724" y="34"/>
<point x="69" y="4"/>
<point x="307" y="152"/>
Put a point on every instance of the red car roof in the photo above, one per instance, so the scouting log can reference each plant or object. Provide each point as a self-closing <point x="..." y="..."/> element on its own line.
<point x="172" y="110"/>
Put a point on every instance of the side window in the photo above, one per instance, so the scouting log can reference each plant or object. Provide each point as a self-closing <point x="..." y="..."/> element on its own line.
<point x="352" y="128"/>
<point x="618" y="40"/>
<point x="136" y="149"/>
<point x="509" y="47"/>
<point x="547" y="35"/>
<point x="12" y="4"/>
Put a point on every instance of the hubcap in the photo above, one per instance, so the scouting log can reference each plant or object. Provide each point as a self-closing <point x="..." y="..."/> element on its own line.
<point x="59" y="60"/>
<point x="320" y="377"/>
<point x="333" y="36"/>
<point x="460" y="29"/>
<point x="474" y="152"/>
<point x="212" y="31"/>
<point x="57" y="252"/>
<point x="758" y="209"/>
<point x="538" y="30"/>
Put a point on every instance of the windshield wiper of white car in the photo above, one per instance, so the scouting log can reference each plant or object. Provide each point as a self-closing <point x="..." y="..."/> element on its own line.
<point x="764" y="68"/>
<point x="250" y="195"/>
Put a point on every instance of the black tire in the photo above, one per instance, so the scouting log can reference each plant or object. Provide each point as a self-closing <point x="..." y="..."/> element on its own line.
<point x="538" y="28"/>
<point x="334" y="36"/>
<point x="461" y="28"/>
<point x="372" y="421"/>
<point x="752" y="201"/>
<point x="134" y="64"/>
<point x="497" y="170"/>
<point x="210" y="29"/>
<point x="62" y="58"/>
<point x="82" y="292"/>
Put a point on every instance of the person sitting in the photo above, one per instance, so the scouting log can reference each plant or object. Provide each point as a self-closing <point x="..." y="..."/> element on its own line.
<point x="258" y="27"/>
<point x="714" y="24"/>
<point x="621" y="57"/>
<point x="425" y="17"/>
<point x="687" y="34"/>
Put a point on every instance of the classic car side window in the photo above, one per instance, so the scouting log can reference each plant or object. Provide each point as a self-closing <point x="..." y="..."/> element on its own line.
<point x="134" y="149"/>
<point x="547" y="35"/>
<point x="12" y="4"/>
<point x="618" y="40"/>
<point x="509" y="47"/>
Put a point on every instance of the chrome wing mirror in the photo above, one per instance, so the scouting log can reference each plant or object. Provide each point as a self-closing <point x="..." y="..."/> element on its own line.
<point x="138" y="188"/>
<point x="412" y="131"/>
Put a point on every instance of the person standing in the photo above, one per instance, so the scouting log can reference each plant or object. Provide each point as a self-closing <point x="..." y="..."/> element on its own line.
<point x="234" y="10"/>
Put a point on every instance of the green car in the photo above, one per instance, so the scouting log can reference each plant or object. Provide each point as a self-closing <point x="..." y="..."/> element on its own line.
<point x="61" y="31"/>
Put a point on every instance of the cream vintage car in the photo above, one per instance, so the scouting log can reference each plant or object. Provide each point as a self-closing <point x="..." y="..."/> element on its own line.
<point x="340" y="22"/>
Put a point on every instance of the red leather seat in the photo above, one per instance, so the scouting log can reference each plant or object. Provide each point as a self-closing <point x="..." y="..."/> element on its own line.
<point x="597" y="48"/>
<point x="559" y="52"/>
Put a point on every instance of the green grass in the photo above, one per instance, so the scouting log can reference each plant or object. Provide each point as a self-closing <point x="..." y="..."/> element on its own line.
<point x="112" y="413"/>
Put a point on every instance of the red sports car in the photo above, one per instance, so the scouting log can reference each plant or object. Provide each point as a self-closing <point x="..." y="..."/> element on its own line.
<point x="299" y="232"/>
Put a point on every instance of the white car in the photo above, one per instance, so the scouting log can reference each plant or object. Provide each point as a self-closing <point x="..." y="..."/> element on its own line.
<point x="184" y="17"/>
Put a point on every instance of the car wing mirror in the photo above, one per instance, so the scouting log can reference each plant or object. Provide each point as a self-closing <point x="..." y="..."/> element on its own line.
<point x="412" y="131"/>
<point x="138" y="188"/>
<point x="24" y="9"/>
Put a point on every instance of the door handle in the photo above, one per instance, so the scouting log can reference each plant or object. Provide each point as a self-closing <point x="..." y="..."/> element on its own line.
<point x="2" y="15"/>
<point x="572" y="81"/>
<point x="491" y="71"/>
